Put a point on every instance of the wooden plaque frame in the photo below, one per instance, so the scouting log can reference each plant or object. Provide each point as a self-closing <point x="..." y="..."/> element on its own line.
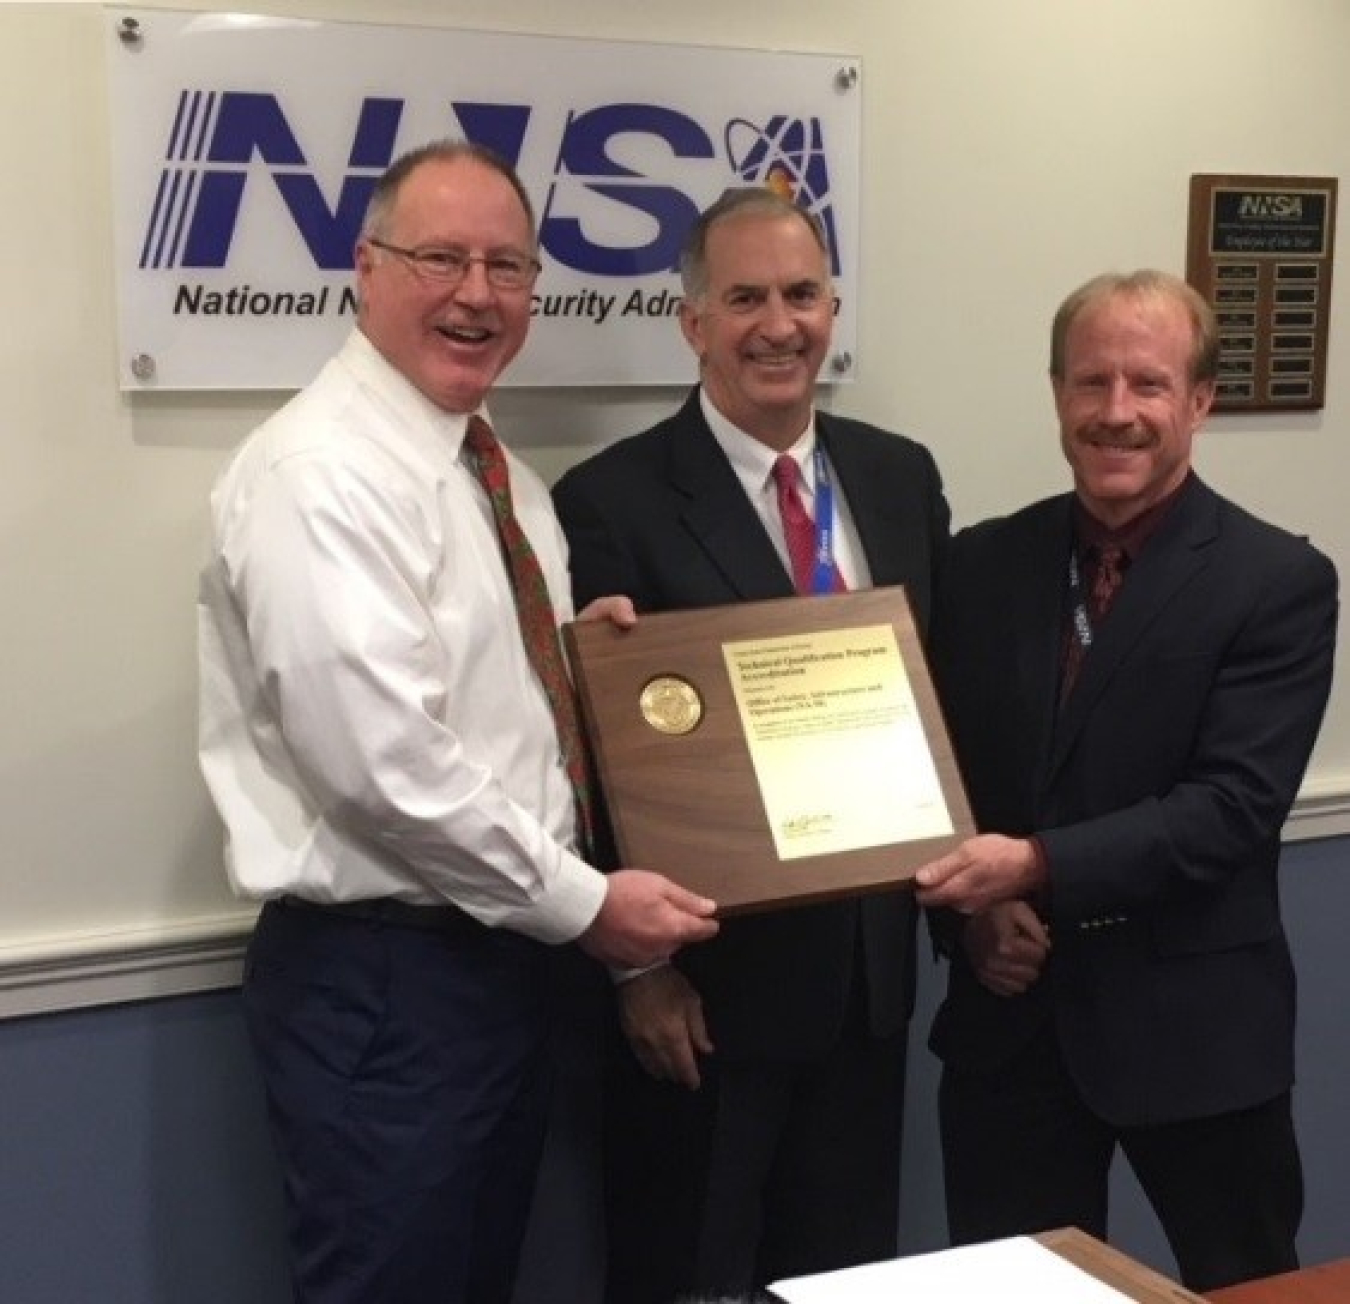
<point x="1260" y="249"/>
<point x="689" y="804"/>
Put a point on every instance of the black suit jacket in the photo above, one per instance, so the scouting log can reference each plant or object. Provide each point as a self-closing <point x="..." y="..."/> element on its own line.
<point x="1158" y="792"/>
<point x="662" y="518"/>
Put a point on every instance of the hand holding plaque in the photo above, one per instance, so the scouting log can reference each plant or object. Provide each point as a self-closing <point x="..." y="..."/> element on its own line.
<point x="767" y="753"/>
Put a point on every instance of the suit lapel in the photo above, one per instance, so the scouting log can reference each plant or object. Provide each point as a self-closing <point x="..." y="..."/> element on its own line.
<point x="1036" y="630"/>
<point x="1168" y="563"/>
<point x="717" y="513"/>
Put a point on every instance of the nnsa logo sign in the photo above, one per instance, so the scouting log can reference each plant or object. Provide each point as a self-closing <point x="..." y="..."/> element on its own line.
<point x="245" y="157"/>
<point x="217" y="139"/>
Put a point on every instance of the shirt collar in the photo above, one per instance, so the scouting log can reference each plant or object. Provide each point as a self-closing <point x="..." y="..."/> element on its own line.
<point x="1131" y="537"/>
<point x="413" y="412"/>
<point x="750" y="458"/>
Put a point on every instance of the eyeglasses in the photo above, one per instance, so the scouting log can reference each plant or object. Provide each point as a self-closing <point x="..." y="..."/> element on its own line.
<point x="451" y="266"/>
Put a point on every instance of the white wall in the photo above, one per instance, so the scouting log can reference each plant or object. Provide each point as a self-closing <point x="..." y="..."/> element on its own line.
<point x="1011" y="149"/>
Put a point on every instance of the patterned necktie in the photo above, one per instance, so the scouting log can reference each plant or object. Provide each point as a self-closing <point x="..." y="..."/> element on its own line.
<point x="1106" y="579"/>
<point x="1108" y="563"/>
<point x="798" y="528"/>
<point x="534" y="608"/>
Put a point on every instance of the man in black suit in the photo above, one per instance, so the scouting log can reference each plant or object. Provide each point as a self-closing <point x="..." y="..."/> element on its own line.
<point x="753" y="1115"/>
<point x="1135" y="674"/>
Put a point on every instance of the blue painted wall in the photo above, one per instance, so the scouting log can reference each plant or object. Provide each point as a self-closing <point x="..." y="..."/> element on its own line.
<point x="134" y="1166"/>
<point x="135" y="1169"/>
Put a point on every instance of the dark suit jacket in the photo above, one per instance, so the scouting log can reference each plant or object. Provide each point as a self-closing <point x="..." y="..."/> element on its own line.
<point x="1158" y="792"/>
<point x="662" y="518"/>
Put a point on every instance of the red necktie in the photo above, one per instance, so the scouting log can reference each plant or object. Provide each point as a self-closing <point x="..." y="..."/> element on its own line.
<point x="1108" y="562"/>
<point x="534" y="608"/>
<point x="1106" y="579"/>
<point x="798" y="528"/>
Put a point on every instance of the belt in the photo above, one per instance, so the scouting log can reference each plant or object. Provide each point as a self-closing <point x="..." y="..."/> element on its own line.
<point x="387" y="910"/>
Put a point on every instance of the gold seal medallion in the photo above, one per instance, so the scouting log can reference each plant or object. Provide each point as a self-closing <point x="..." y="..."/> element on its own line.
<point x="671" y="705"/>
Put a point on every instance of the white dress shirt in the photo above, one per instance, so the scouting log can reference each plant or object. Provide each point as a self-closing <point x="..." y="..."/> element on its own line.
<point x="370" y="722"/>
<point x="753" y="462"/>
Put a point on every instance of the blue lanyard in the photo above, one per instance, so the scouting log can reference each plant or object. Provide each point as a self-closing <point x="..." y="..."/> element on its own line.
<point x="822" y="579"/>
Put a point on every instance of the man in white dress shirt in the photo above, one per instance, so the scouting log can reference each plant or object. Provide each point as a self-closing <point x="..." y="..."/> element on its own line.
<point x="388" y="767"/>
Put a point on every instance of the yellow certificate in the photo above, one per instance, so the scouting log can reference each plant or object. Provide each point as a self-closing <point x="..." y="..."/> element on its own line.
<point x="836" y="740"/>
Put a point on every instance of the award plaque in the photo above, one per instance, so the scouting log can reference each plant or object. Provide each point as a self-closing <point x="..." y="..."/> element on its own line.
<point x="770" y="753"/>
<point x="1260" y="250"/>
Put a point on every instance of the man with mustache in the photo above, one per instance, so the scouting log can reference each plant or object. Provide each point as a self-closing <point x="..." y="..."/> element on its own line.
<point x="1134" y="674"/>
<point x="753" y="1114"/>
<point x="389" y="746"/>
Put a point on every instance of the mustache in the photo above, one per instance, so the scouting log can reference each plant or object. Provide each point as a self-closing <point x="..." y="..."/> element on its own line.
<point x="1134" y="437"/>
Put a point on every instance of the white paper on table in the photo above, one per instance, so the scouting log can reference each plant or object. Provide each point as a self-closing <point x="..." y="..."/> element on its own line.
<point x="1014" y="1271"/>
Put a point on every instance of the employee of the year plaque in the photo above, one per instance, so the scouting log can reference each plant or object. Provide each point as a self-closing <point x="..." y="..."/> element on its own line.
<point x="1260" y="250"/>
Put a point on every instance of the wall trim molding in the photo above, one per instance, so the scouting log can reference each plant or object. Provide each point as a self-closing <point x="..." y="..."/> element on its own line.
<point x="1321" y="811"/>
<point x="109" y="968"/>
<point x="86" y="970"/>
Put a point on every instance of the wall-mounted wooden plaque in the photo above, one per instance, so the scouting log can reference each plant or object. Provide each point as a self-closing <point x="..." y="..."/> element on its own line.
<point x="1259" y="248"/>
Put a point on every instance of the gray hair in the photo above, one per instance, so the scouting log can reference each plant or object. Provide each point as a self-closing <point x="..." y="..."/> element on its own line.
<point x="744" y="201"/>
<point x="385" y="195"/>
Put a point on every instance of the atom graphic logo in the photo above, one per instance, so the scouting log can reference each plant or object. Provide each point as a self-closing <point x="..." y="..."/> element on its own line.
<point x="787" y="155"/>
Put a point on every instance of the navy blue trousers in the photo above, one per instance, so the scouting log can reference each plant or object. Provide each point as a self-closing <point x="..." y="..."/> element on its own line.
<point x="406" y="1088"/>
<point x="1023" y="1153"/>
<point x="768" y="1170"/>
